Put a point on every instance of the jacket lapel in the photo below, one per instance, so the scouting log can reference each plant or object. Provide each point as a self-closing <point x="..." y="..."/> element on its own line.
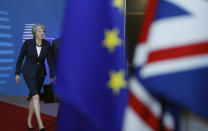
<point x="34" y="48"/>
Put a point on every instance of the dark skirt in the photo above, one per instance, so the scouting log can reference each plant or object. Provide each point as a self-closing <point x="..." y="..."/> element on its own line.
<point x="34" y="85"/>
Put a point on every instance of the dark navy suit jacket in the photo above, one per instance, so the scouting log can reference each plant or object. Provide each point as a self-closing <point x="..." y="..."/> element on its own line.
<point x="34" y="64"/>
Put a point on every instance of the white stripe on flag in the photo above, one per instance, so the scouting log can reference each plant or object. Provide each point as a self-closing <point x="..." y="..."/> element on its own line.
<point x="181" y="30"/>
<point x="132" y="122"/>
<point x="142" y="94"/>
<point x="168" y="120"/>
<point x="174" y="65"/>
<point x="140" y="55"/>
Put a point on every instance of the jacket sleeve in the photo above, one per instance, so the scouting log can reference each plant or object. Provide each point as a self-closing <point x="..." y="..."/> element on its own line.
<point x="20" y="58"/>
<point x="50" y="61"/>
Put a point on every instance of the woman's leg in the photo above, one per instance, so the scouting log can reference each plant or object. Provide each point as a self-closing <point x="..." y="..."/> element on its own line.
<point x="34" y="85"/>
<point x="36" y="104"/>
<point x="30" y="114"/>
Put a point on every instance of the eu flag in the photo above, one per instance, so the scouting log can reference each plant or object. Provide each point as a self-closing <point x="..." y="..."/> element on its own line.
<point x="91" y="70"/>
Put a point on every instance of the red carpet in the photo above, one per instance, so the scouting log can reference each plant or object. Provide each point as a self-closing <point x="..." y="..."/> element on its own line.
<point x="13" y="118"/>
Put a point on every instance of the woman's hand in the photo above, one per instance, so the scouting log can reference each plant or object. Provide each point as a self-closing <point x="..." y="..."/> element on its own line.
<point x="17" y="79"/>
<point x="52" y="80"/>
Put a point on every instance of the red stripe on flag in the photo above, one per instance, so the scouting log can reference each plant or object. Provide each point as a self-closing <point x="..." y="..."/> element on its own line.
<point x="144" y="113"/>
<point x="148" y="18"/>
<point x="166" y="129"/>
<point x="190" y="50"/>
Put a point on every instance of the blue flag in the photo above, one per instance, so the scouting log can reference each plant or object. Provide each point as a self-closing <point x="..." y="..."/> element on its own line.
<point x="91" y="70"/>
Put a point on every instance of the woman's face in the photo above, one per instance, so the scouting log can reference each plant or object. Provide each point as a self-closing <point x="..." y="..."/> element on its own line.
<point x="40" y="33"/>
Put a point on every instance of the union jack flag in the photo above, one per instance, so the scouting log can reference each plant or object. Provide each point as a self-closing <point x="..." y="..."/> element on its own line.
<point x="171" y="61"/>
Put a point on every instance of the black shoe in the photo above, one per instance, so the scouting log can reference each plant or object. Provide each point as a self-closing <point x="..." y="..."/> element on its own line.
<point x="29" y="128"/>
<point x="42" y="129"/>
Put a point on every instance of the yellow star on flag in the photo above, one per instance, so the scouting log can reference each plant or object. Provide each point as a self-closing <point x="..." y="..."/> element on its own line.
<point x="112" y="39"/>
<point x="117" y="81"/>
<point x="118" y="4"/>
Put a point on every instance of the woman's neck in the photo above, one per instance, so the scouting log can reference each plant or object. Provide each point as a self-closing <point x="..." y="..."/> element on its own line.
<point x="39" y="42"/>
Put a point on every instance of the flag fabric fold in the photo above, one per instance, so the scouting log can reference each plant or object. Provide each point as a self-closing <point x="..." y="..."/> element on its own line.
<point x="175" y="66"/>
<point x="170" y="62"/>
<point x="91" y="70"/>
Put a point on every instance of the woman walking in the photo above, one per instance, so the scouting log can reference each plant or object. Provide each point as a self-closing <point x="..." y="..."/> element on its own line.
<point x="35" y="51"/>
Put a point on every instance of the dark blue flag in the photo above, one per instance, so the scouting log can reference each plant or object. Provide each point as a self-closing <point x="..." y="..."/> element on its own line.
<point x="91" y="70"/>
